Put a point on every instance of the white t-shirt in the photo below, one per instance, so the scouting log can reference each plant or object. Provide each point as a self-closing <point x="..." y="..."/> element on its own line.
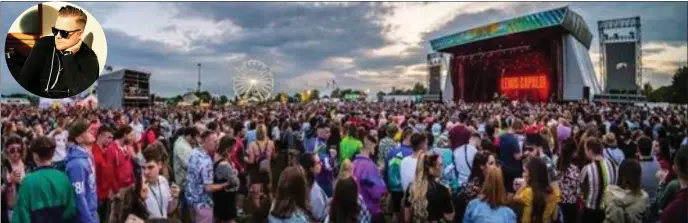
<point x="408" y="171"/>
<point x="159" y="197"/>
<point x="138" y="129"/>
<point x="461" y="155"/>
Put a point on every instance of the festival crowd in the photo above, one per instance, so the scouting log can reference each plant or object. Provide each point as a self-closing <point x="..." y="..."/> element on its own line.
<point x="347" y="162"/>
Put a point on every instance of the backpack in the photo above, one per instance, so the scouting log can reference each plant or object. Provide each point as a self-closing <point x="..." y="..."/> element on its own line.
<point x="394" y="172"/>
<point x="263" y="161"/>
<point x="449" y="177"/>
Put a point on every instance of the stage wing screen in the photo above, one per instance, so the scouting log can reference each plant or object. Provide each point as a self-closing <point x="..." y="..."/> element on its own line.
<point x="621" y="66"/>
<point x="435" y="76"/>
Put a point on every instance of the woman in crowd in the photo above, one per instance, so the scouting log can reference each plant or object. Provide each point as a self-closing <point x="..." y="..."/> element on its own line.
<point x="538" y="196"/>
<point x="426" y="199"/>
<point x="13" y="170"/>
<point x="569" y="181"/>
<point x="596" y="177"/>
<point x="318" y="199"/>
<point x="346" y="206"/>
<point x="469" y="191"/>
<point x="491" y="205"/>
<point x="130" y="204"/>
<point x="224" y="208"/>
<point x="259" y="156"/>
<point x="626" y="202"/>
<point x="291" y="198"/>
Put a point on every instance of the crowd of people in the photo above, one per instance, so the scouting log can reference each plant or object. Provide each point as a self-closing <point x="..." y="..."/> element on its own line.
<point x="347" y="162"/>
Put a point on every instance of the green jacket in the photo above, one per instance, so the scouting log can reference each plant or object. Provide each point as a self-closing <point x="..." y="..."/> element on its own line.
<point x="348" y="147"/>
<point x="46" y="195"/>
<point x="667" y="194"/>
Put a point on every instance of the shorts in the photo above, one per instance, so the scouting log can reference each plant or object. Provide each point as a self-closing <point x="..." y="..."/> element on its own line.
<point x="203" y="215"/>
<point x="243" y="184"/>
<point x="396" y="200"/>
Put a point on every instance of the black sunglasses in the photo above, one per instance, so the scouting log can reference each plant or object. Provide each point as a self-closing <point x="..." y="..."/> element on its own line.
<point x="63" y="33"/>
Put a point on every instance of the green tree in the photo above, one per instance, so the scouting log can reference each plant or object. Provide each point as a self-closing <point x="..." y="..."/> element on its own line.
<point x="418" y="88"/>
<point x="223" y="100"/>
<point x="336" y="93"/>
<point x="679" y="85"/>
<point x="297" y="97"/>
<point x="662" y="94"/>
<point x="647" y="89"/>
<point x="315" y="94"/>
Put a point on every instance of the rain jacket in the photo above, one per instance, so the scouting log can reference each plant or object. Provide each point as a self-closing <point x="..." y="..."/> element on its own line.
<point x="81" y="172"/>
<point x="621" y="206"/>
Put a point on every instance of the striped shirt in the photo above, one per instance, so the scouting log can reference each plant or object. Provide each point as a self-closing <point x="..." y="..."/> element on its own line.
<point x="596" y="176"/>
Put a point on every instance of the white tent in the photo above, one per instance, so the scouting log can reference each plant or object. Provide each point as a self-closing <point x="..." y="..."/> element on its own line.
<point x="44" y="103"/>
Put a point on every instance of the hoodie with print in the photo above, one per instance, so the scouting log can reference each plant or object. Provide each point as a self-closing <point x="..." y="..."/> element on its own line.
<point x="81" y="172"/>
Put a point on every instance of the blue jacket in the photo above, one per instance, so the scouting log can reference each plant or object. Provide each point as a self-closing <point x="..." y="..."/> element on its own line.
<point x="81" y="172"/>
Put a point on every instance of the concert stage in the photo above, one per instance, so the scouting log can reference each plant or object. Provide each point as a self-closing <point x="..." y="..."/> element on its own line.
<point x="538" y="57"/>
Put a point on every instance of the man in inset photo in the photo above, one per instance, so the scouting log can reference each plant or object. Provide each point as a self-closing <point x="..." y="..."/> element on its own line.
<point x="62" y="65"/>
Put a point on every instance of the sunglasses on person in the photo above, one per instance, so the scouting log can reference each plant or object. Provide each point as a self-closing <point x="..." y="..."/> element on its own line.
<point x="14" y="149"/>
<point x="63" y="33"/>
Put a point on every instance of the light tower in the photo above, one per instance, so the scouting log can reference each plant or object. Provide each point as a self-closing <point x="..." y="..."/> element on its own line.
<point x="198" y="90"/>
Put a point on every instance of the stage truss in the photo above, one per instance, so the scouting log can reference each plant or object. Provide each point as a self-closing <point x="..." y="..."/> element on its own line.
<point x="632" y="23"/>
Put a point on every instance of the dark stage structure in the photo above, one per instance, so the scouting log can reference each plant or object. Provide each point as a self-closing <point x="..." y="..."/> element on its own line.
<point x="537" y="57"/>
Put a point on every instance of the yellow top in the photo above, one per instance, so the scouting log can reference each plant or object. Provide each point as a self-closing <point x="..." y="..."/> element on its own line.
<point x="525" y="196"/>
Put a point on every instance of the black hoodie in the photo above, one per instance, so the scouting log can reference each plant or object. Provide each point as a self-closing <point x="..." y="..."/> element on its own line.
<point x="49" y="73"/>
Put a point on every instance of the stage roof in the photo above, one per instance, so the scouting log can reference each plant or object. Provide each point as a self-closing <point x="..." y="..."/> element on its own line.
<point x="562" y="17"/>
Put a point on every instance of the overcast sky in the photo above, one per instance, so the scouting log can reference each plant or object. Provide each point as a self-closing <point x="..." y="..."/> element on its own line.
<point x="361" y="45"/>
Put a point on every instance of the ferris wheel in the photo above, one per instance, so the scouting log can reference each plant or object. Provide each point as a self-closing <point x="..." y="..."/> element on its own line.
<point x="253" y="81"/>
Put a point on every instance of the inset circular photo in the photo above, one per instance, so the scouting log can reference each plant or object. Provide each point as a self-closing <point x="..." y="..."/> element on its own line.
<point x="55" y="50"/>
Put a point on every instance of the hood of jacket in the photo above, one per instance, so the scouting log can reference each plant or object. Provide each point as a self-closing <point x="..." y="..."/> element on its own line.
<point x="623" y="198"/>
<point x="77" y="152"/>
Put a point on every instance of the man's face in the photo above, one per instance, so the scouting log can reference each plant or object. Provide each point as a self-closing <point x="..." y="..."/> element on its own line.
<point x="129" y="138"/>
<point x="86" y="138"/>
<point x="532" y="150"/>
<point x="151" y="170"/>
<point x="67" y="23"/>
<point x="324" y="133"/>
<point x="211" y="143"/>
<point x="105" y="138"/>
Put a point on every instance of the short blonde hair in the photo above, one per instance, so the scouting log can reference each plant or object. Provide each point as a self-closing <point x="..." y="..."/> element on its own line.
<point x="71" y="11"/>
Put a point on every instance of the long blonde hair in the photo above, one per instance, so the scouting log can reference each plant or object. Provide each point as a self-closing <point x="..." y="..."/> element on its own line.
<point x="419" y="188"/>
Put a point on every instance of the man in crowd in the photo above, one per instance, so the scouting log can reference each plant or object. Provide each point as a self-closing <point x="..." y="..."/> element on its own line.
<point x="349" y="145"/>
<point x="371" y="186"/>
<point x="328" y="160"/>
<point x="46" y="194"/>
<point x="163" y="197"/>
<point x="199" y="179"/>
<point x="533" y="147"/>
<point x="459" y="134"/>
<point x="61" y="65"/>
<point x="119" y="156"/>
<point x="463" y="157"/>
<point x="104" y="172"/>
<point x="393" y="172"/>
<point x="419" y="142"/>
<point x="81" y="172"/>
<point x="676" y="210"/>
<point x="182" y="150"/>
<point x="510" y="154"/>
